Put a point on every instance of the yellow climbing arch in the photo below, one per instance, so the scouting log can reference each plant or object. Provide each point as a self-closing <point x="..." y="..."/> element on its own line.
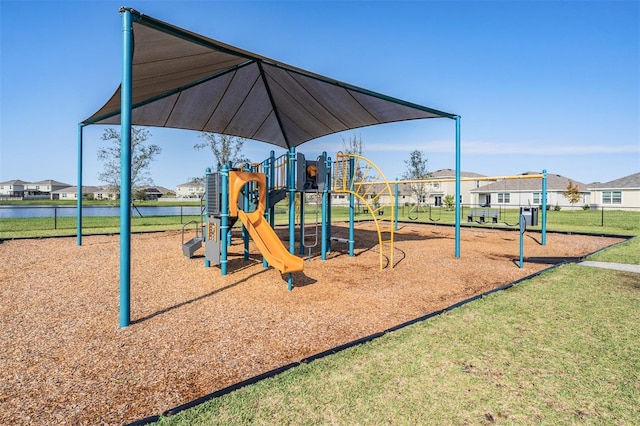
<point x="367" y="182"/>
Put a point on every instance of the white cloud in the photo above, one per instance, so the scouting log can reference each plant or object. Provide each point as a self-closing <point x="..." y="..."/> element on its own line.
<point x="498" y="148"/>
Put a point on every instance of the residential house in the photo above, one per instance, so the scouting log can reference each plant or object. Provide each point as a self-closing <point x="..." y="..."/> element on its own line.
<point x="520" y="191"/>
<point x="154" y="192"/>
<point x="13" y="188"/>
<point x="43" y="188"/>
<point x="190" y="190"/>
<point x="433" y="192"/>
<point x="447" y="186"/>
<point x="71" y="193"/>
<point x="622" y="194"/>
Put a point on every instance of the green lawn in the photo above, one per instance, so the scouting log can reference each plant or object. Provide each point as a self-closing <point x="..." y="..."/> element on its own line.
<point x="562" y="348"/>
<point x="616" y="222"/>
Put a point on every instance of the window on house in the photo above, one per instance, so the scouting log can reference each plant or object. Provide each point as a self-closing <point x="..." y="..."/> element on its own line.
<point x="537" y="197"/>
<point x="611" y="197"/>
<point x="504" y="198"/>
<point x="64" y="195"/>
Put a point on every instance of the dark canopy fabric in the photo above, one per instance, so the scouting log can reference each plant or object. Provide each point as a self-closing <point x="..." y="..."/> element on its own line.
<point x="187" y="81"/>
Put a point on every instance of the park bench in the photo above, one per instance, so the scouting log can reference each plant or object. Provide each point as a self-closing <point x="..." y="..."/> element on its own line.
<point x="482" y="215"/>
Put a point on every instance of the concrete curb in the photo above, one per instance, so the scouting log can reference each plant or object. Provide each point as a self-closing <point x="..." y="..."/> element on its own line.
<point x="617" y="266"/>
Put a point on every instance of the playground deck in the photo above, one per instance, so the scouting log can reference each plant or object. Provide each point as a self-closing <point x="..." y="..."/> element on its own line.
<point x="194" y="331"/>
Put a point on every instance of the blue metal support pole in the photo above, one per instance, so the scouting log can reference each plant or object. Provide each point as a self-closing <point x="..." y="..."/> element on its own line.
<point x="79" y="201"/>
<point x="352" y="173"/>
<point x="457" y="248"/>
<point x="395" y="213"/>
<point x="224" y="217"/>
<point x="301" y="232"/>
<point x="272" y="185"/>
<point x="291" y="186"/>
<point x="229" y="233"/>
<point x="329" y="183"/>
<point x="323" y="244"/>
<point x="125" y="168"/>
<point x="291" y="183"/>
<point x="207" y="176"/>
<point x="544" y="208"/>
<point x="523" y="227"/>
<point x="268" y="211"/>
<point x="245" y="206"/>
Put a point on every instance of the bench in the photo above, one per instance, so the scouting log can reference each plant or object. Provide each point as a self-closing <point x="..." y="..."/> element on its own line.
<point x="482" y="215"/>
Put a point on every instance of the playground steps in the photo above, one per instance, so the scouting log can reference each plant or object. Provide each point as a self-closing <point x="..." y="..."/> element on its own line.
<point x="191" y="246"/>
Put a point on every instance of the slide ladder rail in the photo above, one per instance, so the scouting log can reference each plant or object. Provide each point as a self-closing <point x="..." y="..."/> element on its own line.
<point x="280" y="171"/>
<point x="367" y="182"/>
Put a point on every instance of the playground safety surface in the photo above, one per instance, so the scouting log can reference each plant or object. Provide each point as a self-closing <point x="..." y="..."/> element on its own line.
<point x="65" y="359"/>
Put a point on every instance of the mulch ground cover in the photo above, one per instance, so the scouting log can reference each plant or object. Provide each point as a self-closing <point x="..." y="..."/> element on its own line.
<point x="65" y="360"/>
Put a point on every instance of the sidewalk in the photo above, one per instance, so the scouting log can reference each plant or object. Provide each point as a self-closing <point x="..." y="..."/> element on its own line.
<point x="617" y="266"/>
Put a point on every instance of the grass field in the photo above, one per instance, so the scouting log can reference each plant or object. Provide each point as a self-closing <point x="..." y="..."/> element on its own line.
<point x="562" y="348"/>
<point x="596" y="222"/>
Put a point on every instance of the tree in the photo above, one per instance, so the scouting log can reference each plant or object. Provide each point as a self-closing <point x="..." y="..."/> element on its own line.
<point x="572" y="193"/>
<point x="141" y="157"/>
<point x="354" y="146"/>
<point x="225" y="148"/>
<point x="449" y="201"/>
<point x="197" y="179"/>
<point x="417" y="170"/>
<point x="139" y="194"/>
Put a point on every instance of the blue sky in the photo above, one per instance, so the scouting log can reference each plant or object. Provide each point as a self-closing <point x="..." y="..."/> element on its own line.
<point x="539" y="85"/>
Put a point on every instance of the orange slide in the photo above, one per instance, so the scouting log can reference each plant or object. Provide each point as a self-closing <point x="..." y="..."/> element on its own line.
<point x="259" y="229"/>
<point x="269" y="244"/>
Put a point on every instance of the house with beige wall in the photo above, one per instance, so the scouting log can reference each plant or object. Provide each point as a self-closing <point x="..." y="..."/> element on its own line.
<point x="622" y="193"/>
<point x="190" y="190"/>
<point x="434" y="191"/>
<point x="43" y="188"/>
<point x="524" y="191"/>
<point x="13" y="188"/>
<point x="93" y="192"/>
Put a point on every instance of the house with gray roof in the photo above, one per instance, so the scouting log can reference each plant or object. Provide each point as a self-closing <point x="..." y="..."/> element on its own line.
<point x="43" y="188"/>
<point x="524" y="191"/>
<point x="433" y="192"/>
<point x="13" y="188"/>
<point x="92" y="192"/>
<point x="622" y="193"/>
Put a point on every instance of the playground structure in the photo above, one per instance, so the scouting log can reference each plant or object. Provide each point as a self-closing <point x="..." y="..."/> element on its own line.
<point x="251" y="194"/>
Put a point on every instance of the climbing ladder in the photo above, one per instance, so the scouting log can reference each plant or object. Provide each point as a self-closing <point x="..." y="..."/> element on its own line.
<point x="354" y="174"/>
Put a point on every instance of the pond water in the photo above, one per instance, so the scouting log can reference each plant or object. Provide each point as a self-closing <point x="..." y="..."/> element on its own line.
<point x="11" y="212"/>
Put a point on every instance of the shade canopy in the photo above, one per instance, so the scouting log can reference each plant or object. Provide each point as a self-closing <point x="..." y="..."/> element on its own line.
<point x="186" y="81"/>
